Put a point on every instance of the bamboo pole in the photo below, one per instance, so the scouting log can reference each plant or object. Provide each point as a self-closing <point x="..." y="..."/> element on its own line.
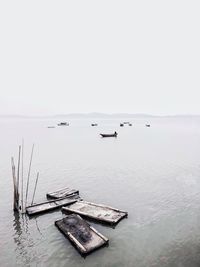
<point x="28" y="178"/>
<point x="18" y="168"/>
<point x="35" y="188"/>
<point x="16" y="194"/>
<point x="22" y="178"/>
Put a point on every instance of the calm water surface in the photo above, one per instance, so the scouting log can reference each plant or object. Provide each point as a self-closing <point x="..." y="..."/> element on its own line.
<point x="153" y="173"/>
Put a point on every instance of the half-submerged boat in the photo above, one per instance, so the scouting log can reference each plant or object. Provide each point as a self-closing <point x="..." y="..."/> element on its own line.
<point x="109" y="135"/>
<point x="83" y="236"/>
<point x="63" y="124"/>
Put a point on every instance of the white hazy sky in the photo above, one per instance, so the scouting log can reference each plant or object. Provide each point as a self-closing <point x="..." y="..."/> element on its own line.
<point x="108" y="56"/>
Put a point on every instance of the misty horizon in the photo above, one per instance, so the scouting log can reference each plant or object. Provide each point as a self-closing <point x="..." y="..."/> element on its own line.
<point x="98" y="115"/>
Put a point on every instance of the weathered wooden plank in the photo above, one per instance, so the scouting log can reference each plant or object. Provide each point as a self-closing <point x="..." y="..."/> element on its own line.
<point x="96" y="212"/>
<point x="84" y="237"/>
<point x="50" y="205"/>
<point x="64" y="192"/>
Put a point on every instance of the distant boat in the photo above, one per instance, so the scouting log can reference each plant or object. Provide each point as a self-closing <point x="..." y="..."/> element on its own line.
<point x="109" y="135"/>
<point x="148" y="125"/>
<point x="126" y="122"/>
<point x="121" y="125"/>
<point x="130" y="124"/>
<point x="94" y="124"/>
<point x="63" y="124"/>
<point x="50" y="126"/>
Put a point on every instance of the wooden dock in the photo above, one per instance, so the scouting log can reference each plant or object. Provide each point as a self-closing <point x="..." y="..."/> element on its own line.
<point x="101" y="213"/>
<point x="83" y="236"/>
<point x="64" y="192"/>
<point x="50" y="205"/>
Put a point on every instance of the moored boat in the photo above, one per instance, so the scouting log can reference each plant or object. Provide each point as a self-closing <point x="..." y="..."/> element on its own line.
<point x="109" y="135"/>
<point x="63" y="124"/>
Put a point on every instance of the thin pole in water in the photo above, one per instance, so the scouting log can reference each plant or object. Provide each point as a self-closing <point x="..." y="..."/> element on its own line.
<point x="35" y="188"/>
<point x="18" y="168"/>
<point x="16" y="195"/>
<point x="22" y="177"/>
<point x="29" y="171"/>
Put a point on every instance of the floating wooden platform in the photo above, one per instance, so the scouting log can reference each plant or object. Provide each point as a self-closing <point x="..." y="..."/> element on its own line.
<point x="64" y="192"/>
<point x="83" y="236"/>
<point x="96" y="212"/>
<point x="50" y="205"/>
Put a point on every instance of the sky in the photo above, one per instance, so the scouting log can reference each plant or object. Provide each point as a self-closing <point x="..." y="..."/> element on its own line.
<point x="59" y="57"/>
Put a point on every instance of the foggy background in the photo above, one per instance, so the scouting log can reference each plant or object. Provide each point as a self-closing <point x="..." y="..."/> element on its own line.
<point x="106" y="56"/>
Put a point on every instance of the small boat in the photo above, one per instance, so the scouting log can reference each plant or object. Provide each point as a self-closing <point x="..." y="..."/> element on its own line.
<point x="63" y="124"/>
<point x="109" y="135"/>
<point x="121" y="125"/>
<point x="94" y="124"/>
<point x="84" y="237"/>
<point x="148" y="125"/>
<point x="130" y="124"/>
<point x="126" y="122"/>
<point x="50" y="126"/>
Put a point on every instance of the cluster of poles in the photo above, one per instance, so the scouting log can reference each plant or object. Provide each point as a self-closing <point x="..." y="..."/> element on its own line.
<point x="19" y="185"/>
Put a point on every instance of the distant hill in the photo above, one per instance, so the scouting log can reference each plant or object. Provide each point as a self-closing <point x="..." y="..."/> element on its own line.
<point x="102" y="115"/>
<point x="98" y="115"/>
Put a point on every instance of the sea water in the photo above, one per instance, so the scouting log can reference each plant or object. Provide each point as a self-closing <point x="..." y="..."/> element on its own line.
<point x="153" y="173"/>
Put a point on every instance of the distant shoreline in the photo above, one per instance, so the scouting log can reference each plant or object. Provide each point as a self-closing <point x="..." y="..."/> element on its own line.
<point x="97" y="116"/>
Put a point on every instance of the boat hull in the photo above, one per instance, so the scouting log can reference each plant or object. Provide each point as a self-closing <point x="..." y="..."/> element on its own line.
<point x="108" y="135"/>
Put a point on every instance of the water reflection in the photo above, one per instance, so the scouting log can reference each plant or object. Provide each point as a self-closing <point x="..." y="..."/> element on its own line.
<point x="154" y="175"/>
<point x="23" y="239"/>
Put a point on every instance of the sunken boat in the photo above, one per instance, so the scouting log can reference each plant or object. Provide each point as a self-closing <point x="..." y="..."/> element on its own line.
<point x="84" y="237"/>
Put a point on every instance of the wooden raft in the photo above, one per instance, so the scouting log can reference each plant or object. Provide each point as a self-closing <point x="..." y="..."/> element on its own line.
<point x="50" y="205"/>
<point x="96" y="212"/>
<point x="83" y="236"/>
<point x="64" y="192"/>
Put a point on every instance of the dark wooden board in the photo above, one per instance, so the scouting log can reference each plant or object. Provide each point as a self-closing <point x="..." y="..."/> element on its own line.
<point x="83" y="236"/>
<point x="96" y="212"/>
